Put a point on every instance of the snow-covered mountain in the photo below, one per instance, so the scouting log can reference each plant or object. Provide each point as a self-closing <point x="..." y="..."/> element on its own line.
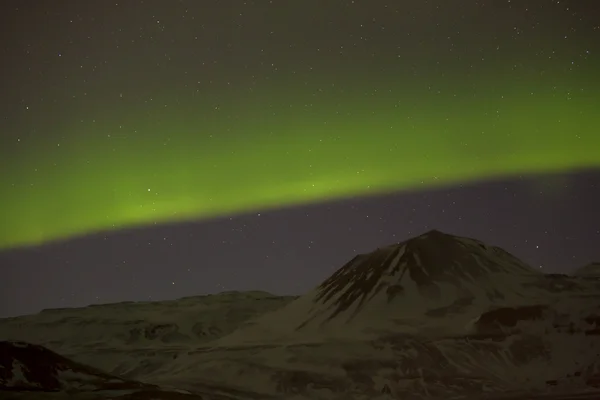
<point x="115" y="337"/>
<point x="429" y="284"/>
<point x="434" y="317"/>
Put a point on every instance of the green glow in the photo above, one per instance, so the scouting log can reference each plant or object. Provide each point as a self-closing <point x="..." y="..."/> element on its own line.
<point x="264" y="153"/>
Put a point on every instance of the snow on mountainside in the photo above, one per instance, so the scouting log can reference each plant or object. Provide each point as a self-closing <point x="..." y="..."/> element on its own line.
<point x="434" y="317"/>
<point x="124" y="333"/>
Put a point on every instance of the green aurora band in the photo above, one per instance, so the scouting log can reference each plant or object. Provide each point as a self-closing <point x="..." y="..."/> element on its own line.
<point x="289" y="145"/>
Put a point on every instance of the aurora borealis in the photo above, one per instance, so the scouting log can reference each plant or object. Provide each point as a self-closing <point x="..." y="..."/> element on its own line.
<point x="156" y="149"/>
<point x="170" y="167"/>
<point x="168" y="116"/>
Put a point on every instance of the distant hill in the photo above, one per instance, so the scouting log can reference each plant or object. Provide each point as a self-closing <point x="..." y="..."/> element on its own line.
<point x="589" y="270"/>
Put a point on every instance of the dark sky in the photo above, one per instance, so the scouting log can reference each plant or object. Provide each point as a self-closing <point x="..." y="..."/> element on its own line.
<point x="157" y="149"/>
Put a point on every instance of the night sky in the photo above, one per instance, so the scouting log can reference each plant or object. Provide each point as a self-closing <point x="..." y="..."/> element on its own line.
<point x="156" y="149"/>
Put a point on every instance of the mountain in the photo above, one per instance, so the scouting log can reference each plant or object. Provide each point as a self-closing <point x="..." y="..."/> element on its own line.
<point x="431" y="282"/>
<point x="434" y="317"/>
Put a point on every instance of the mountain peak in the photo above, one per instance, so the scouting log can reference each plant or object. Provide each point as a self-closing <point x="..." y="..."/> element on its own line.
<point x="435" y="232"/>
<point x="425" y="269"/>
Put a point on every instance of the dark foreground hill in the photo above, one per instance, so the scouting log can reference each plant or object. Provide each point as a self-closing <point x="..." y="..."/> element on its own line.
<point x="32" y="371"/>
<point x="435" y="317"/>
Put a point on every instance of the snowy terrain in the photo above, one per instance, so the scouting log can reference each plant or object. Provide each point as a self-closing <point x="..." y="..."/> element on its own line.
<point x="435" y="317"/>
